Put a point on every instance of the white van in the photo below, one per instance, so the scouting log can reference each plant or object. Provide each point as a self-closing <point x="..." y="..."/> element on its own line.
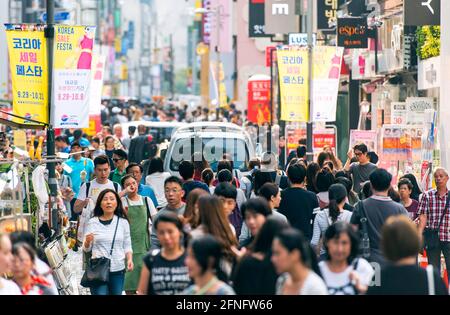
<point x="213" y="139"/>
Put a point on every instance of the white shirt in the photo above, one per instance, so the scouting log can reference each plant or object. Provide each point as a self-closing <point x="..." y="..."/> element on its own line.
<point x="313" y="285"/>
<point x="156" y="181"/>
<point x="338" y="283"/>
<point x="8" y="287"/>
<point x="95" y="189"/>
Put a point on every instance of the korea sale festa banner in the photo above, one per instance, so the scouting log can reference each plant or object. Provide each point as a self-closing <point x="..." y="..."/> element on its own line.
<point x="28" y="66"/>
<point x="72" y="75"/>
<point x="294" y="86"/>
<point x="327" y="63"/>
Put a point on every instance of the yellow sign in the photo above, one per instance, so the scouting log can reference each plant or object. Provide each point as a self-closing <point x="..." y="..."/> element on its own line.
<point x="223" y="95"/>
<point x="20" y="139"/>
<point x="294" y="86"/>
<point x="28" y="61"/>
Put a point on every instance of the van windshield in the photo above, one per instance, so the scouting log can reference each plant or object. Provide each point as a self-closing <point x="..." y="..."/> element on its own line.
<point x="213" y="150"/>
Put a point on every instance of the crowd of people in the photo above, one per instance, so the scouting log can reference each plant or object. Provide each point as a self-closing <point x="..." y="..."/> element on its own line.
<point x="305" y="228"/>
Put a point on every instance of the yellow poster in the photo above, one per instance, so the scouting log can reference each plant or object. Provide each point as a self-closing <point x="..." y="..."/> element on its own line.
<point x="28" y="65"/>
<point x="294" y="86"/>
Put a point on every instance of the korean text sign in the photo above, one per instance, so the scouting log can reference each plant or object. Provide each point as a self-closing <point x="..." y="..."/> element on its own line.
<point x="72" y="75"/>
<point x="352" y="32"/>
<point x="28" y="65"/>
<point x="294" y="86"/>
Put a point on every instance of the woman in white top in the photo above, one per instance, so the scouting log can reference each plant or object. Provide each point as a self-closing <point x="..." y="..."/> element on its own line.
<point x="293" y="259"/>
<point x="344" y="273"/>
<point x="337" y="194"/>
<point x="109" y="231"/>
<point x="6" y="258"/>
<point x="156" y="178"/>
<point x="140" y="212"/>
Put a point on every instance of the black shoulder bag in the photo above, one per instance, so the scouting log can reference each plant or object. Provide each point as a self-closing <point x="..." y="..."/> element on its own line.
<point x="364" y="246"/>
<point x="431" y="236"/>
<point x="97" y="269"/>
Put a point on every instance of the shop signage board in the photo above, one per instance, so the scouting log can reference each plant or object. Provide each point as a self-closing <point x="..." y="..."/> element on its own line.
<point x="207" y="21"/>
<point x="270" y="50"/>
<point x="256" y="19"/>
<point x="29" y="73"/>
<point x="259" y="100"/>
<point x="352" y="32"/>
<point x="399" y="115"/>
<point x="326" y="73"/>
<point x="416" y="108"/>
<point x="280" y="17"/>
<point x="422" y="12"/>
<point x="326" y="13"/>
<point x="72" y="75"/>
<point x="429" y="73"/>
<point x="294" y="85"/>
<point x="300" y="39"/>
<point x="368" y="137"/>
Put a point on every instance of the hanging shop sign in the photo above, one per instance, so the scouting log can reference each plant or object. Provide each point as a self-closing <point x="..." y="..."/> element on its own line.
<point x="429" y="73"/>
<point x="256" y="19"/>
<point x="294" y="86"/>
<point x="258" y="110"/>
<point x="29" y="73"/>
<point x="326" y="13"/>
<point x="352" y="32"/>
<point x="300" y="39"/>
<point x="280" y="17"/>
<point x="326" y="73"/>
<point x="422" y="12"/>
<point x="416" y="108"/>
<point x="72" y="75"/>
<point x="271" y="55"/>
<point x="207" y="20"/>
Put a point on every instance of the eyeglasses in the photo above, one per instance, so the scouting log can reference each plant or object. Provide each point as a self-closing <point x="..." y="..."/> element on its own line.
<point x="117" y="160"/>
<point x="168" y="191"/>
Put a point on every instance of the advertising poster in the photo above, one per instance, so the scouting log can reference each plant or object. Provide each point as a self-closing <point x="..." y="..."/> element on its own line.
<point x="368" y="137"/>
<point x="29" y="76"/>
<point x="294" y="133"/>
<point x="416" y="107"/>
<point x="294" y="87"/>
<point x="326" y="73"/>
<point x="95" y="99"/>
<point x="399" y="115"/>
<point x="322" y="138"/>
<point x="258" y="110"/>
<point x="72" y="75"/>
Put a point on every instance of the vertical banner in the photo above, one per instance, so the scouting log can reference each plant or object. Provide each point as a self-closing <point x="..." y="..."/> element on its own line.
<point x="294" y="87"/>
<point x="224" y="11"/>
<point x="326" y="73"/>
<point x="258" y="110"/>
<point x="256" y="19"/>
<point x="72" y="75"/>
<point x="95" y="98"/>
<point x="28" y="65"/>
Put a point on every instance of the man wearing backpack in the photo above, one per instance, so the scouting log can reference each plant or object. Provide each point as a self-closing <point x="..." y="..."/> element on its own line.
<point x="89" y="192"/>
<point x="370" y="214"/>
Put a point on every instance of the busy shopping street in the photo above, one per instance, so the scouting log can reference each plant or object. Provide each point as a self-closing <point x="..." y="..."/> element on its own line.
<point x="224" y="148"/>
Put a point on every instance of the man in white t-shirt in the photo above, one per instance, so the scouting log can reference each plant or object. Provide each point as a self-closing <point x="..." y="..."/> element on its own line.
<point x="89" y="192"/>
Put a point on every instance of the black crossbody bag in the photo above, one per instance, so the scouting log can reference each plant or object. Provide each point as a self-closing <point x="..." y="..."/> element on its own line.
<point x="97" y="269"/>
<point x="364" y="245"/>
<point x="431" y="236"/>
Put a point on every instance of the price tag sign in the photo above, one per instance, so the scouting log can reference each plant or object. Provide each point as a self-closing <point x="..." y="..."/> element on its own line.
<point x="399" y="113"/>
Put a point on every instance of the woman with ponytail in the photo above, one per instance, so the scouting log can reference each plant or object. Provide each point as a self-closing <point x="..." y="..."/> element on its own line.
<point x="335" y="212"/>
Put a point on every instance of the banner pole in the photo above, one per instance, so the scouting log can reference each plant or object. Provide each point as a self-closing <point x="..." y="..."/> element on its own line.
<point x="50" y="35"/>
<point x="309" y="127"/>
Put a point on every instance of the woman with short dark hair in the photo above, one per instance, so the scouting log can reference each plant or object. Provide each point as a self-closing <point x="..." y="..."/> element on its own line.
<point x="343" y="272"/>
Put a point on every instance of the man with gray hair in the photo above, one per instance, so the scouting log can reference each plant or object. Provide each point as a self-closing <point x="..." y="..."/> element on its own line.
<point x="434" y="220"/>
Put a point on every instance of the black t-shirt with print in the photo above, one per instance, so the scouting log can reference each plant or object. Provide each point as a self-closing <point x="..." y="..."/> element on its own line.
<point x="167" y="277"/>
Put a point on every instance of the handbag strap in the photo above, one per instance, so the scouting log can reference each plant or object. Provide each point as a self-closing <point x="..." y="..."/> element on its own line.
<point x="114" y="238"/>
<point x="447" y="201"/>
<point x="363" y="218"/>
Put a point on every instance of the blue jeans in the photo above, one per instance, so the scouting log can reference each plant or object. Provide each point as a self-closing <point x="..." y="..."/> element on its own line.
<point x="113" y="287"/>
